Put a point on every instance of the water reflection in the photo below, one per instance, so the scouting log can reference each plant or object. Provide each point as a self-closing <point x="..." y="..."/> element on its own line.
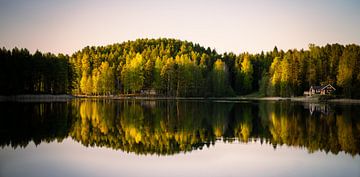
<point x="169" y="127"/>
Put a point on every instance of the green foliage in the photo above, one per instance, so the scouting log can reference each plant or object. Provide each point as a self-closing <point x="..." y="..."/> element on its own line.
<point x="296" y="71"/>
<point x="171" y="67"/>
<point x="106" y="78"/>
<point x="180" y="68"/>
<point x="220" y="83"/>
<point x="132" y="75"/>
<point x="348" y="77"/>
<point x="264" y="85"/>
<point x="38" y="73"/>
<point x="86" y="84"/>
<point x="246" y="75"/>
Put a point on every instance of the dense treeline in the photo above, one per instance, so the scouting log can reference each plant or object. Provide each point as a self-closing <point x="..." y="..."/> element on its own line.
<point x="181" y="68"/>
<point x="25" y="73"/>
<point x="293" y="72"/>
<point x="172" y="67"/>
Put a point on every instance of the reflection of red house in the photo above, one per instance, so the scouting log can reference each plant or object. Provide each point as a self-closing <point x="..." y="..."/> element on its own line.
<point x="318" y="108"/>
<point x="328" y="89"/>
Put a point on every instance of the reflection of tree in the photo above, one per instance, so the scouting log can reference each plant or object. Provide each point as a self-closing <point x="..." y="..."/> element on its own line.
<point x="244" y="126"/>
<point x="331" y="132"/>
<point x="22" y="123"/>
<point x="161" y="131"/>
<point x="346" y="134"/>
<point x="168" y="127"/>
<point x="219" y="118"/>
<point x="95" y="118"/>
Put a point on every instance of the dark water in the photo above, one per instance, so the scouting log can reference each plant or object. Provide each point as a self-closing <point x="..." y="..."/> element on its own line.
<point x="179" y="138"/>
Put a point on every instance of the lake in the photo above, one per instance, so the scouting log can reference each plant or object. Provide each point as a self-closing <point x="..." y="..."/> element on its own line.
<point x="178" y="138"/>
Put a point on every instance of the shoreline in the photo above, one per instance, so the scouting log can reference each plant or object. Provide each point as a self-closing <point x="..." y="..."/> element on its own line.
<point x="66" y="97"/>
<point x="36" y="98"/>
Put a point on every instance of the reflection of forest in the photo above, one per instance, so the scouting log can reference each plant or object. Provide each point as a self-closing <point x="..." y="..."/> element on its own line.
<point x="22" y="123"/>
<point x="168" y="127"/>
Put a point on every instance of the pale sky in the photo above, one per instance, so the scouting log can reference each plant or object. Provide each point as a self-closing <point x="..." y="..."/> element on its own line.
<point x="65" y="26"/>
<point x="70" y="158"/>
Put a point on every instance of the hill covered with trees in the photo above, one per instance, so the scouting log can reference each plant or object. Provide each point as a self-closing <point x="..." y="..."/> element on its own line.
<point x="180" y="68"/>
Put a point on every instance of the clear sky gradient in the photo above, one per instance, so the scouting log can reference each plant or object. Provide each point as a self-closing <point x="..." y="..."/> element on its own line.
<point x="227" y="25"/>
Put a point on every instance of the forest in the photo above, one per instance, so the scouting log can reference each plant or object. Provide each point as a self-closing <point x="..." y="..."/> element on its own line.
<point x="38" y="73"/>
<point x="171" y="67"/>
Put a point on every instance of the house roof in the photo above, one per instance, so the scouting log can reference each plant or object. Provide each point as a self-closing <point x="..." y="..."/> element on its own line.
<point x="315" y="87"/>
<point x="329" y="85"/>
<point x="322" y="87"/>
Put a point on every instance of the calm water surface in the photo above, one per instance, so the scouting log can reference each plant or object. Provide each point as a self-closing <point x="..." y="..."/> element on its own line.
<point x="179" y="138"/>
